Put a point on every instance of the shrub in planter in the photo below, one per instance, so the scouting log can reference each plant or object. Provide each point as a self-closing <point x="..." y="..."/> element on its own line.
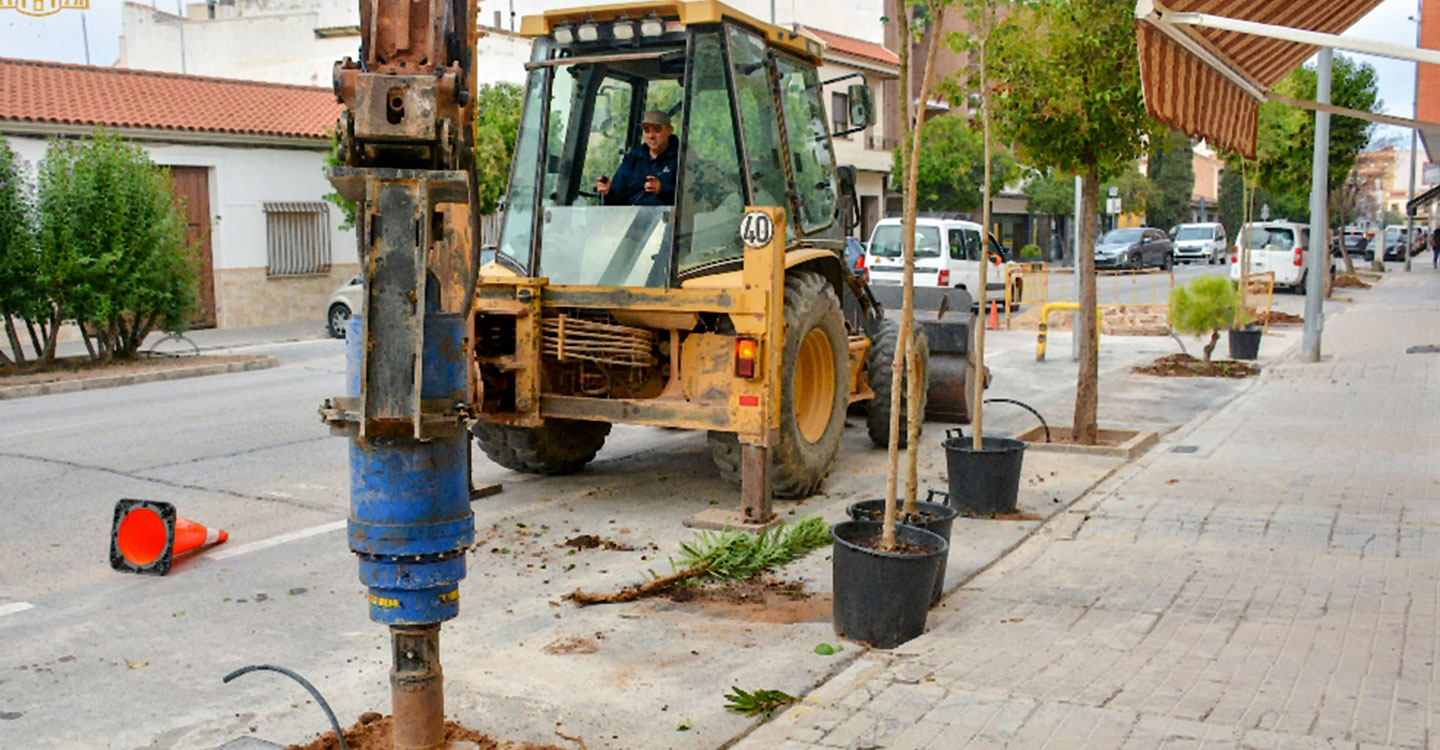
<point x="1208" y="304"/>
<point x="1030" y="252"/>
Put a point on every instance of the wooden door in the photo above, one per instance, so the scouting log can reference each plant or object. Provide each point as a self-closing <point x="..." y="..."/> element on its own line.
<point x="193" y="185"/>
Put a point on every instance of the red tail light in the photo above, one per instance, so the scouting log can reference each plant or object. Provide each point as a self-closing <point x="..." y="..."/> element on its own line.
<point x="746" y="352"/>
<point x="944" y="279"/>
<point x="1235" y="254"/>
<point x="1299" y="258"/>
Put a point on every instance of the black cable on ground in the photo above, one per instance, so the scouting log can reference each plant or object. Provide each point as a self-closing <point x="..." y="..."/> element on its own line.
<point x="339" y="735"/>
<point x="1024" y="406"/>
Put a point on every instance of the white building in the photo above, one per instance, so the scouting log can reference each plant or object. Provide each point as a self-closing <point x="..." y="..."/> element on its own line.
<point x="281" y="41"/>
<point x="248" y="158"/>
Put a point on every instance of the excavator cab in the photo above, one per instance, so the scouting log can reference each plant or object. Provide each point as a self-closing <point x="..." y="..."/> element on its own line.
<point x="592" y="78"/>
<point x="731" y="310"/>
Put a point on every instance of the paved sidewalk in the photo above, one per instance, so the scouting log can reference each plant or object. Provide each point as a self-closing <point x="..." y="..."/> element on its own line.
<point x="1274" y="588"/>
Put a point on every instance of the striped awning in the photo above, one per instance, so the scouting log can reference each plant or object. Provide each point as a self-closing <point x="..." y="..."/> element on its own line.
<point x="1209" y="83"/>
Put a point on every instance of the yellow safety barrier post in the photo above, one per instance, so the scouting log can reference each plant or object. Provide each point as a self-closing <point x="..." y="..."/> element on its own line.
<point x="1045" y="324"/>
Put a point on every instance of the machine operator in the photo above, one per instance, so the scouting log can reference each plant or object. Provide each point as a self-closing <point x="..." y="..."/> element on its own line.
<point x="646" y="176"/>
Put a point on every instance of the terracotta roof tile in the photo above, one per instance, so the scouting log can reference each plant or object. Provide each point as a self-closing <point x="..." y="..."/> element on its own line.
<point x="849" y="45"/>
<point x="47" y="92"/>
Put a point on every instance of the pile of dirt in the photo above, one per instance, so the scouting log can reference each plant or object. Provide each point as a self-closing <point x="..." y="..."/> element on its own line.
<point x="1186" y="366"/>
<point x="759" y="599"/>
<point x="83" y="368"/>
<point x="590" y="541"/>
<point x="1018" y="515"/>
<point x="1275" y="318"/>
<point x="375" y="732"/>
<point x="1348" y="281"/>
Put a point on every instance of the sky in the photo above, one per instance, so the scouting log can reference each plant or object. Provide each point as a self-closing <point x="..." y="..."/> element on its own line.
<point x="61" y="38"/>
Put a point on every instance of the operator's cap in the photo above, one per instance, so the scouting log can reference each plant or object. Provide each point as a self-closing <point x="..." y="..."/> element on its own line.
<point x="655" y="117"/>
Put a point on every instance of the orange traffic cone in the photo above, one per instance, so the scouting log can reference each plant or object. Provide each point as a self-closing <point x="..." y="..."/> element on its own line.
<point x="994" y="323"/>
<point x="147" y="536"/>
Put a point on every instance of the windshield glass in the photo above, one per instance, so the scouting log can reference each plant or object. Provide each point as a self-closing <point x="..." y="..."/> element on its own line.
<point x="1194" y="233"/>
<point x="886" y="242"/>
<point x="1121" y="236"/>
<point x="1391" y="235"/>
<point x="1269" y="238"/>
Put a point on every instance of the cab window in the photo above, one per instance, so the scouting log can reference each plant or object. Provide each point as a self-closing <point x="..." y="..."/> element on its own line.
<point x="757" y="120"/>
<point x="712" y="199"/>
<point x="809" y="143"/>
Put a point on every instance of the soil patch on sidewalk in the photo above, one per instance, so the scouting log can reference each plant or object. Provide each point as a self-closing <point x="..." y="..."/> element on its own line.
<point x="376" y="732"/>
<point x="1347" y="281"/>
<point x="1186" y="366"/>
<point x="1275" y="318"/>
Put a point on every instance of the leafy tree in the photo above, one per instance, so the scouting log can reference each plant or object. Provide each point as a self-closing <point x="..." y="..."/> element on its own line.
<point x="1231" y="206"/>
<point x="113" y="249"/>
<point x="1068" y="95"/>
<point x="1138" y="193"/>
<point x="1050" y="193"/>
<point x="18" y="294"/>
<point x="952" y="166"/>
<point x="1172" y="170"/>
<point x="497" y="124"/>
<point x="1286" y="136"/>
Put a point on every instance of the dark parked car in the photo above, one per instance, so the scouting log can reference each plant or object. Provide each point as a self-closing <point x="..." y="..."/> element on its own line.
<point x="1356" y="245"/>
<point x="1135" y="247"/>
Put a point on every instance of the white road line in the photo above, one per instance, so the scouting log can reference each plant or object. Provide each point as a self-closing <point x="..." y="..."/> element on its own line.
<point x="227" y="552"/>
<point x="15" y="607"/>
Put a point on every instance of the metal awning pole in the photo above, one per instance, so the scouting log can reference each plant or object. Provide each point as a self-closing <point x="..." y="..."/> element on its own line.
<point x="1319" y="272"/>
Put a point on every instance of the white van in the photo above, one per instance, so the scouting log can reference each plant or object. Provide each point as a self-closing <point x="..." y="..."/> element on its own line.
<point x="1201" y="241"/>
<point x="947" y="254"/>
<point x="1279" y="246"/>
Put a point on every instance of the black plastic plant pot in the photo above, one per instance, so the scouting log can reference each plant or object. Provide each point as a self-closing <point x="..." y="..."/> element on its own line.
<point x="882" y="598"/>
<point x="984" y="482"/>
<point x="930" y="516"/>
<point x="1245" y="343"/>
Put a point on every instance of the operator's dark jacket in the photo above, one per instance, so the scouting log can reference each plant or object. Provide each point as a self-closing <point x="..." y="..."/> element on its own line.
<point x="627" y="187"/>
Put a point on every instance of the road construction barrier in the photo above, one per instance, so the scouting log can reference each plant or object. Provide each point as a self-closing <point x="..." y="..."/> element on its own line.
<point x="1045" y="324"/>
<point x="1259" y="284"/>
<point x="1038" y="283"/>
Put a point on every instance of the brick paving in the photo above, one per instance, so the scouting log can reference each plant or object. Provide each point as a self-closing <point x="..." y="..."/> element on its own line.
<point x="1277" y="588"/>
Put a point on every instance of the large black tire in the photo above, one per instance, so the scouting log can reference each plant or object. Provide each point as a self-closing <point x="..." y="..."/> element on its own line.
<point x="559" y="446"/>
<point x="878" y="371"/>
<point x="797" y="464"/>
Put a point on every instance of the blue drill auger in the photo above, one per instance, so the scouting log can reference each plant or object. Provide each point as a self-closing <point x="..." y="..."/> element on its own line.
<point x="410" y="518"/>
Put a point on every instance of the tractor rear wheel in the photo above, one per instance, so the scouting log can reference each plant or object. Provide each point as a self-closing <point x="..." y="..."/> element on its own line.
<point x="814" y="392"/>
<point x="878" y="371"/>
<point x="559" y="446"/>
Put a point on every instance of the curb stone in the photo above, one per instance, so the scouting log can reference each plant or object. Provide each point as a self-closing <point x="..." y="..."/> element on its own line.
<point x="70" y="386"/>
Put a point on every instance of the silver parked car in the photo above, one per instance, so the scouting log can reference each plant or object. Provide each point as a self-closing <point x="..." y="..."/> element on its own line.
<point x="344" y="302"/>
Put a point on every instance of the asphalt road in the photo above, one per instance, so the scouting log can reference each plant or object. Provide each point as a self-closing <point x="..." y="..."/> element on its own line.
<point x="101" y="659"/>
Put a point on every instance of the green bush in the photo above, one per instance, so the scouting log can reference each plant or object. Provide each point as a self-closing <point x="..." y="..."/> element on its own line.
<point x="1031" y="252"/>
<point x="19" y="294"/>
<point x="113" y="253"/>
<point x="1206" y="305"/>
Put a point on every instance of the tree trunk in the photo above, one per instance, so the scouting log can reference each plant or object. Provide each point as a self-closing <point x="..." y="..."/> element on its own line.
<point x="1087" y="389"/>
<point x="34" y="339"/>
<point x="977" y="409"/>
<point x="85" y="337"/>
<point x="14" y="337"/>
<point x="1210" y="347"/>
<point x="907" y="244"/>
<point x="52" y="334"/>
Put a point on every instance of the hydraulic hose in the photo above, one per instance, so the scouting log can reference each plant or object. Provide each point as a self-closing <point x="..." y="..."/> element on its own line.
<point x="320" y="699"/>
<point x="1026" y="407"/>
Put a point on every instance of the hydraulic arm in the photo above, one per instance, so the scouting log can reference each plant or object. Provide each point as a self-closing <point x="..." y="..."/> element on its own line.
<point x="405" y="144"/>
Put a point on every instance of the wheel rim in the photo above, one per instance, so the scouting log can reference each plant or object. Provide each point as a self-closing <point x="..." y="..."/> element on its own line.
<point x="814" y="385"/>
<point x="337" y="320"/>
